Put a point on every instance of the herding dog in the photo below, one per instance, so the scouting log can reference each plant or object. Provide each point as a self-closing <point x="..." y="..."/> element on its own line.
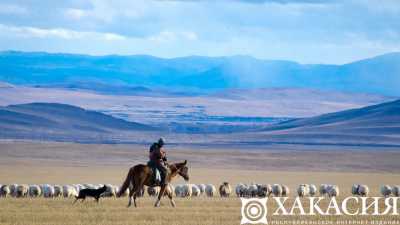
<point x="87" y="192"/>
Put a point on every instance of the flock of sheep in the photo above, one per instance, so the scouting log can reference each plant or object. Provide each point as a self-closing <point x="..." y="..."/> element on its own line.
<point x="193" y="190"/>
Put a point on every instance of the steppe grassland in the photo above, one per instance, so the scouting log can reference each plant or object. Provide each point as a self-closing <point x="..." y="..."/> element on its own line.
<point x="59" y="163"/>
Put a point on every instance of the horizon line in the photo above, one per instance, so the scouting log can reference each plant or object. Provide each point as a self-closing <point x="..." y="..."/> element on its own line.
<point x="189" y="56"/>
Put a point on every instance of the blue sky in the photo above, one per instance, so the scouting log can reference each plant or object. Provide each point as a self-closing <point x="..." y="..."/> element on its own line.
<point x="307" y="31"/>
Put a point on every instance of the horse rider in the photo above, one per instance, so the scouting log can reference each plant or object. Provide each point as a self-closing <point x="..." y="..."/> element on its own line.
<point x="158" y="160"/>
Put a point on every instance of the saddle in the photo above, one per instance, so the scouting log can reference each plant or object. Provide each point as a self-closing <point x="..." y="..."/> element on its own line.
<point x="156" y="175"/>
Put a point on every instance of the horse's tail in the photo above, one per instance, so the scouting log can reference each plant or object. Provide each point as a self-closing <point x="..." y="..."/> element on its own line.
<point x="127" y="183"/>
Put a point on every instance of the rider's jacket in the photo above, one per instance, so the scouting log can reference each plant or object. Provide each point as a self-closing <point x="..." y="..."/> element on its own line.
<point x="157" y="153"/>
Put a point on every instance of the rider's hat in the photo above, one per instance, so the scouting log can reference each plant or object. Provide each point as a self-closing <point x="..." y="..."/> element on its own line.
<point x="161" y="142"/>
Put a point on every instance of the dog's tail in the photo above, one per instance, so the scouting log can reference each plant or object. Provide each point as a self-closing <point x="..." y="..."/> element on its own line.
<point x="127" y="182"/>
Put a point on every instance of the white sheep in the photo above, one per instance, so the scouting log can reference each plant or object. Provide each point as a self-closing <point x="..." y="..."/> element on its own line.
<point x="277" y="190"/>
<point x="285" y="190"/>
<point x="186" y="190"/>
<point x="360" y="189"/>
<point x="178" y="190"/>
<point x="264" y="190"/>
<point x="333" y="191"/>
<point x="195" y="190"/>
<point x="5" y="191"/>
<point x="312" y="190"/>
<point x="303" y="190"/>
<point x="48" y="191"/>
<point x="240" y="190"/>
<point x="69" y="191"/>
<point x="323" y="189"/>
<point x="252" y="190"/>
<point x="225" y="190"/>
<point x="153" y="191"/>
<point x="13" y="190"/>
<point x="396" y="190"/>
<point x="58" y="191"/>
<point x="34" y="191"/>
<point x="22" y="190"/>
<point x="386" y="190"/>
<point x="202" y="188"/>
<point x="210" y="190"/>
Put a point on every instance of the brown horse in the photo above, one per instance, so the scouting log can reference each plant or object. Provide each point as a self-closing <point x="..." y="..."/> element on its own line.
<point x="141" y="175"/>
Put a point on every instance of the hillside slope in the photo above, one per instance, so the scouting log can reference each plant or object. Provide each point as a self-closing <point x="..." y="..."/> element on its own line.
<point x="54" y="121"/>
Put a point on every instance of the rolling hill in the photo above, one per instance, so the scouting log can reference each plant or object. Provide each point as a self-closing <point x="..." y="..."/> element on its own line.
<point x="375" y="125"/>
<point x="372" y="125"/>
<point x="113" y="73"/>
<point x="53" y="121"/>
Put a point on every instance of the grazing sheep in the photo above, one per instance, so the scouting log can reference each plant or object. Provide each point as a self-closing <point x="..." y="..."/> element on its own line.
<point x="303" y="190"/>
<point x="153" y="191"/>
<point x="333" y="191"/>
<point x="210" y="190"/>
<point x="22" y="190"/>
<point x="386" y="190"/>
<point x="69" y="191"/>
<point x="240" y="190"/>
<point x="178" y="190"/>
<point x="285" y="190"/>
<point x="202" y="188"/>
<point x="5" y="191"/>
<point x="360" y="189"/>
<point x="323" y="189"/>
<point x="186" y="190"/>
<point x="58" y="191"/>
<point x="396" y="190"/>
<point x="34" y="191"/>
<point x="195" y="190"/>
<point x="225" y="190"/>
<point x="48" y="191"/>
<point x="252" y="190"/>
<point x="90" y="186"/>
<point x="312" y="190"/>
<point x="277" y="190"/>
<point x="13" y="190"/>
<point x="264" y="190"/>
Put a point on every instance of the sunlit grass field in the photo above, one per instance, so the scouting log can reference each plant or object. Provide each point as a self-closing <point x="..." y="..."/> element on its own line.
<point x="200" y="210"/>
<point x="60" y="163"/>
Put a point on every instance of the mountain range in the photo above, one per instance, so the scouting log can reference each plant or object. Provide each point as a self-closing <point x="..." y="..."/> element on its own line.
<point x="113" y="73"/>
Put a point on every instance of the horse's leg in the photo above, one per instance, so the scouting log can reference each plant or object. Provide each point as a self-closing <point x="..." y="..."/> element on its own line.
<point x="171" y="200"/>
<point x="157" y="204"/>
<point x="131" y="193"/>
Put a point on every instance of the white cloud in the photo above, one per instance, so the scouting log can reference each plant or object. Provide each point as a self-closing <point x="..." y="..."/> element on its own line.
<point x="169" y="36"/>
<point x="34" y="32"/>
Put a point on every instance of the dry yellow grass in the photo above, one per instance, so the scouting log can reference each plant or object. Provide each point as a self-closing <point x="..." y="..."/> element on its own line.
<point x="199" y="211"/>
<point x="60" y="163"/>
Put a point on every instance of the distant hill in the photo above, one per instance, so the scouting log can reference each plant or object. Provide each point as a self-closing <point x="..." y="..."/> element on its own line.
<point x="53" y="121"/>
<point x="380" y="75"/>
<point x="365" y="120"/>
<point x="372" y="125"/>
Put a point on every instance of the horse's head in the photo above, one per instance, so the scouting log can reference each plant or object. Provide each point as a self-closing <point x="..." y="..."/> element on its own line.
<point x="183" y="170"/>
